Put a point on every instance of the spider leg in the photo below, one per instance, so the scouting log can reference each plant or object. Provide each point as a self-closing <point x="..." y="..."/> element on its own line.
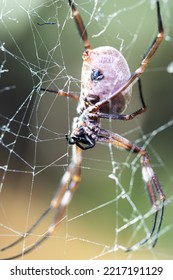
<point x="144" y="63"/>
<point x="62" y="93"/>
<point x="24" y="236"/>
<point x="153" y="186"/>
<point x="60" y="202"/>
<point x="80" y="25"/>
<point x="126" y="117"/>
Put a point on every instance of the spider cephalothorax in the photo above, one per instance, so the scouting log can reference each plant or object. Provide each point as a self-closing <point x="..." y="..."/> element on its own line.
<point x="84" y="131"/>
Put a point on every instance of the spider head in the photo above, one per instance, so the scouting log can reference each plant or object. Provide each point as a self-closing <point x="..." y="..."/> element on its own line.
<point x="82" y="140"/>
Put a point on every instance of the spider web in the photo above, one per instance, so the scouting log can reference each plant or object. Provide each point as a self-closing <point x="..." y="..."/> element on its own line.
<point x="111" y="210"/>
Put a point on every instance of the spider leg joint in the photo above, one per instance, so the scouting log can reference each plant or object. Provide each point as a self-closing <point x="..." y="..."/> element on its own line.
<point x="147" y="173"/>
<point x="66" y="198"/>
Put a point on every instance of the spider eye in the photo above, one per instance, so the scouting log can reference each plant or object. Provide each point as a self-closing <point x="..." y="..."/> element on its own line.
<point x="96" y="75"/>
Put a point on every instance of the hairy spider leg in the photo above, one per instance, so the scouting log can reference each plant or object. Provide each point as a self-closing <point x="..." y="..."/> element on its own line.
<point x="80" y="25"/>
<point x="68" y="185"/>
<point x="153" y="186"/>
<point x="62" y="93"/>
<point x="83" y="34"/>
<point x="144" y="63"/>
<point x="126" y="117"/>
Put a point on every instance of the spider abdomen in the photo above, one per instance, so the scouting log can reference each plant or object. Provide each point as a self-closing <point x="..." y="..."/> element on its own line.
<point x="104" y="71"/>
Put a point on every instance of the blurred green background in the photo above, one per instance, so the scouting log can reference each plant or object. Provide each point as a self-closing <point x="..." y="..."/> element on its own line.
<point x="33" y="126"/>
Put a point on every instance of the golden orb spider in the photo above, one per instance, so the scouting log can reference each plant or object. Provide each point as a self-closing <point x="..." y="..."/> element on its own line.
<point x="105" y="92"/>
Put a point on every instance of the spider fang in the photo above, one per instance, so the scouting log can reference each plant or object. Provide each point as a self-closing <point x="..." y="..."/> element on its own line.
<point x="81" y="140"/>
